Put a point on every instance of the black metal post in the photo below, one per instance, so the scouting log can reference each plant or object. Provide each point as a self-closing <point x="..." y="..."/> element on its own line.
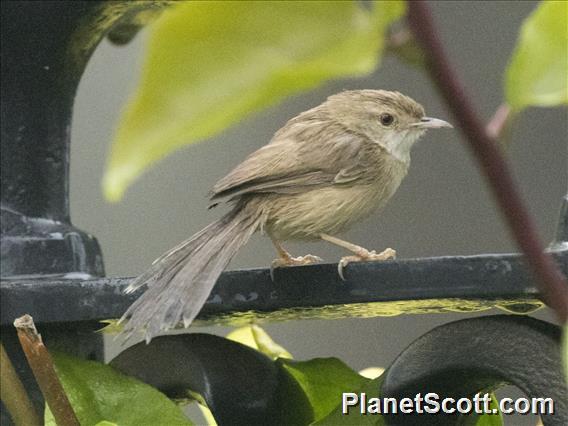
<point x="40" y="75"/>
<point x="45" y="47"/>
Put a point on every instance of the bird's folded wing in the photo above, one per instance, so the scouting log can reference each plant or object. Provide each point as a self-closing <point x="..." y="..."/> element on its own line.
<point x="287" y="166"/>
<point x="279" y="184"/>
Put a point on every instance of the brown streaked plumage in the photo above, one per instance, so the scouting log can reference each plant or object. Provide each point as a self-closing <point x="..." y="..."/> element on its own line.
<point x="325" y="170"/>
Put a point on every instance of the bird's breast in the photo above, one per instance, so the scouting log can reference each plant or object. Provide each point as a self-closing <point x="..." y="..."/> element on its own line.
<point x="332" y="209"/>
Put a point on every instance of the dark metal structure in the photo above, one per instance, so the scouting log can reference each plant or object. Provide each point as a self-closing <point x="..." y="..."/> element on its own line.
<point x="45" y="47"/>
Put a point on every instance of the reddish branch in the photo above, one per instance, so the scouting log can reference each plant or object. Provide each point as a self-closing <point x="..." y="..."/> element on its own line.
<point x="14" y="395"/>
<point x="498" y="126"/>
<point x="44" y="372"/>
<point x="550" y="280"/>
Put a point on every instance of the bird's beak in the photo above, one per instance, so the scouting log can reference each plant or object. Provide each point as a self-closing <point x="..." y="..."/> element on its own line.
<point x="431" y="123"/>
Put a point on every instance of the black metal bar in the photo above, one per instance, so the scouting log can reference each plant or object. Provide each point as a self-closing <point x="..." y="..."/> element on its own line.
<point x="482" y="354"/>
<point x="239" y="384"/>
<point x="442" y="284"/>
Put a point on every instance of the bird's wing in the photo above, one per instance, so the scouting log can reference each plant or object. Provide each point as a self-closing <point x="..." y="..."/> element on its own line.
<point x="293" y="165"/>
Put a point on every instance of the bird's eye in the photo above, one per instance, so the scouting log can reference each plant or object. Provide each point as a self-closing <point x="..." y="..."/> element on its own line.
<point x="386" y="119"/>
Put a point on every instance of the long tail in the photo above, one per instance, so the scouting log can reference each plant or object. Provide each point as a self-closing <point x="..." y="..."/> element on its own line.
<point x="180" y="281"/>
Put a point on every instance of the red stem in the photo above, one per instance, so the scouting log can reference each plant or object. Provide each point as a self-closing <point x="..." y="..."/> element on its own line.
<point x="550" y="280"/>
<point x="42" y="366"/>
<point x="498" y="126"/>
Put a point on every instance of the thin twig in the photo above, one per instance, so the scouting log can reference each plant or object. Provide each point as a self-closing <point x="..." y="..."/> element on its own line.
<point x="550" y="281"/>
<point x="499" y="127"/>
<point x="14" y="395"/>
<point x="42" y="366"/>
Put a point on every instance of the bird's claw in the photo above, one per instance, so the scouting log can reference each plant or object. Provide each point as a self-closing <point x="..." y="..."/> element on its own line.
<point x="293" y="261"/>
<point x="364" y="256"/>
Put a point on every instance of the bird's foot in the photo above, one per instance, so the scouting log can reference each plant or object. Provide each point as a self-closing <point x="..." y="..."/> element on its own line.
<point x="364" y="255"/>
<point x="293" y="261"/>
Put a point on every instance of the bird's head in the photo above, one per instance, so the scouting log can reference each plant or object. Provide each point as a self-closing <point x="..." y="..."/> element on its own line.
<point x="389" y="119"/>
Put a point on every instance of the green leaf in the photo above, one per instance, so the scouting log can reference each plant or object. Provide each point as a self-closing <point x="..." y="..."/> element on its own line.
<point x="211" y="64"/>
<point x="207" y="415"/>
<point x="538" y="72"/>
<point x="491" y="419"/>
<point x="255" y="337"/>
<point x="99" y="393"/>
<point x="371" y="389"/>
<point x="323" y="380"/>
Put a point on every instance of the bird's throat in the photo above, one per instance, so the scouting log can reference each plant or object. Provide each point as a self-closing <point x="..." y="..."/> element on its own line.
<point x="399" y="144"/>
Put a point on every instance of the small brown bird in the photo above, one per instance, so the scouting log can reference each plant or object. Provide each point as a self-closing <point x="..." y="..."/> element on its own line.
<point x="325" y="170"/>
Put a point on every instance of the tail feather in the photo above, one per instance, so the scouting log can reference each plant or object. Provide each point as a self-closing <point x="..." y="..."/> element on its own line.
<point x="166" y="262"/>
<point x="180" y="281"/>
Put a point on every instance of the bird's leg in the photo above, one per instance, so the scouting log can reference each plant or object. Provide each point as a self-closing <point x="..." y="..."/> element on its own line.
<point x="286" y="259"/>
<point x="361" y="254"/>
